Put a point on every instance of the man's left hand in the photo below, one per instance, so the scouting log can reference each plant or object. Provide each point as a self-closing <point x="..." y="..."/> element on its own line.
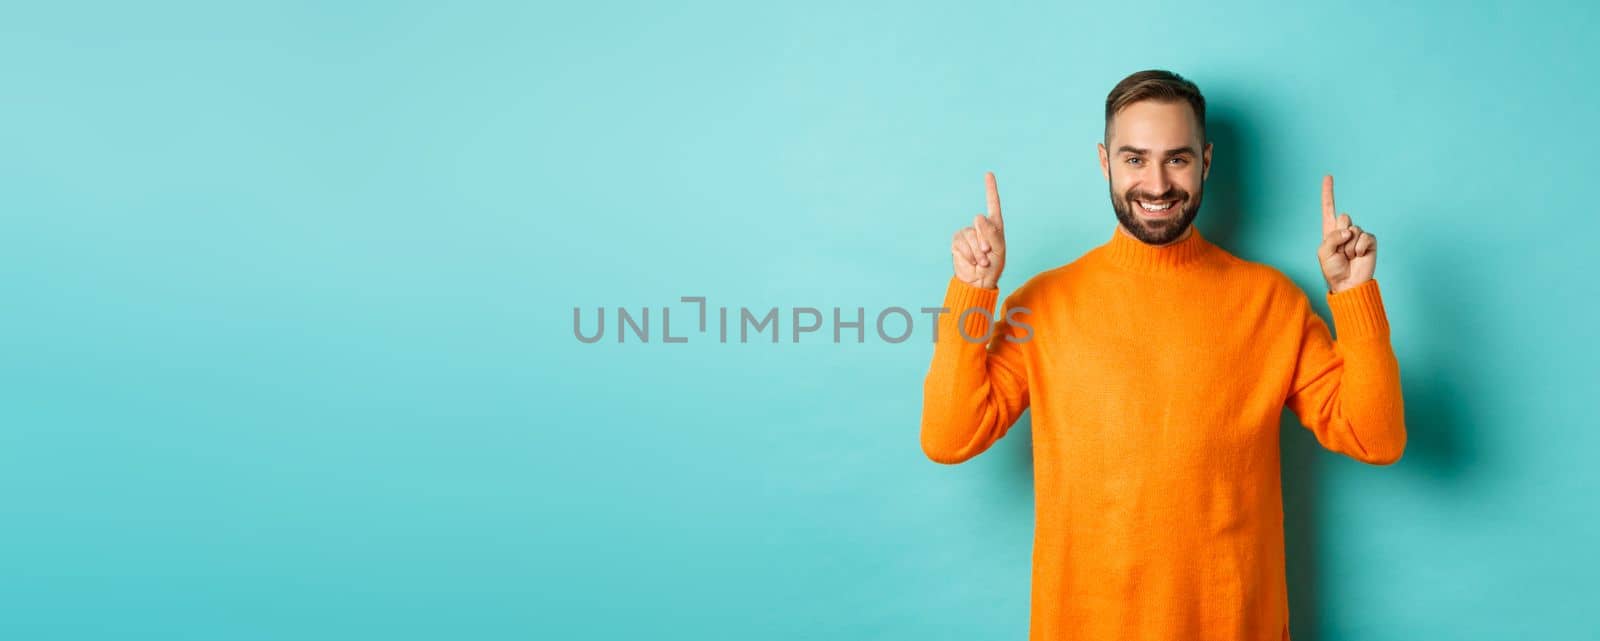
<point x="1348" y="255"/>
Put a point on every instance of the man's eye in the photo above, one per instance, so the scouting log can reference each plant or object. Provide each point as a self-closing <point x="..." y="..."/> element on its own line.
<point x="1134" y="161"/>
<point x="1180" y="161"/>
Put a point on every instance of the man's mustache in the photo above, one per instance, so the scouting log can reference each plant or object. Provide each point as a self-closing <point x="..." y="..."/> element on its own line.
<point x="1170" y="195"/>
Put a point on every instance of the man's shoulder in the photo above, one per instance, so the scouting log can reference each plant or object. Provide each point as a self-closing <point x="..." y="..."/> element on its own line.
<point x="1256" y="271"/>
<point x="1054" y="281"/>
<point x="1266" y="278"/>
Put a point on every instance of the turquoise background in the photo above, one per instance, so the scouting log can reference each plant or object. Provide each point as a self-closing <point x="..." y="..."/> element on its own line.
<point x="288" y="347"/>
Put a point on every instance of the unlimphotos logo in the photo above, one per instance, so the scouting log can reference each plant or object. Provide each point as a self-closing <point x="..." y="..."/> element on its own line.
<point x="892" y="324"/>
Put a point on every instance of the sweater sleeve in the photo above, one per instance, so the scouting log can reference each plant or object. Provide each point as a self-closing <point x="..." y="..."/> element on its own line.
<point x="977" y="385"/>
<point x="1348" y="392"/>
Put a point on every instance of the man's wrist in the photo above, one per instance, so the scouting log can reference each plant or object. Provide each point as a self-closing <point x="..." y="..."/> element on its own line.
<point x="1332" y="291"/>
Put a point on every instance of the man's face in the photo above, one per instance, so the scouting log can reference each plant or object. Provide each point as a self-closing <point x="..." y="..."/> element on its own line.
<point x="1156" y="166"/>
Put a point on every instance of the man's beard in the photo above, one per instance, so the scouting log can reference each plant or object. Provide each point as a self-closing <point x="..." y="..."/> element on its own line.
<point x="1159" y="231"/>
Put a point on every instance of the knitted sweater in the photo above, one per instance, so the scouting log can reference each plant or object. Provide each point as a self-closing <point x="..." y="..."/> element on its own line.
<point x="1156" y="378"/>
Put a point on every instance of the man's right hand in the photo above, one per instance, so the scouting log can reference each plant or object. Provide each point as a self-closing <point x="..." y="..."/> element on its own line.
<point x="980" y="250"/>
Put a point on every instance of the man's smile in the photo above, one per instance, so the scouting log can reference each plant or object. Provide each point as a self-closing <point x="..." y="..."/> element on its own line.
<point x="1158" y="208"/>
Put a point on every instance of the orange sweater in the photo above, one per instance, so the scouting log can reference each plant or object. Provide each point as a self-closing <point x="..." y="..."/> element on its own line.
<point x="1156" y="378"/>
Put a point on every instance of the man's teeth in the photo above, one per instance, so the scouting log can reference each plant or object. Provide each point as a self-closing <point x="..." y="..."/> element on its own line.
<point x="1151" y="207"/>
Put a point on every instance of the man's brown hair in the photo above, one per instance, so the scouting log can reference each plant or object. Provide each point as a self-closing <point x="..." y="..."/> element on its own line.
<point x="1159" y="85"/>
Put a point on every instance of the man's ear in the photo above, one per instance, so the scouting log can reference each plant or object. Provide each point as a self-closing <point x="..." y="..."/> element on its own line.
<point x="1105" y="160"/>
<point x="1206" y="156"/>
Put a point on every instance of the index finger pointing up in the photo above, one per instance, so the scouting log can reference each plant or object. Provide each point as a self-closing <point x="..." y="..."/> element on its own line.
<point x="1327" y="205"/>
<point x="994" y="199"/>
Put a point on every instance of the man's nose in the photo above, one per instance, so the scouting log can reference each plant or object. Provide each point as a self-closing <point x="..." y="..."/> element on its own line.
<point x="1159" y="184"/>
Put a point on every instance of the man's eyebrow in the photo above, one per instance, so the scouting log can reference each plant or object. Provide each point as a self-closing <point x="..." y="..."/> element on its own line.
<point x="1170" y="152"/>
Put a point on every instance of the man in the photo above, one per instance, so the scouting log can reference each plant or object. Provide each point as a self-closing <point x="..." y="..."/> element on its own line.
<point x="1156" y="366"/>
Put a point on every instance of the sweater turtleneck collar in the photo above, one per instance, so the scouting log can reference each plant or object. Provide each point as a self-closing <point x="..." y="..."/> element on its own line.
<point x="1133" y="254"/>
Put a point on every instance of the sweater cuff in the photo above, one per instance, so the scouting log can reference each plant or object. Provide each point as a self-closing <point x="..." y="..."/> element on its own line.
<point x="960" y="297"/>
<point x="1358" y="312"/>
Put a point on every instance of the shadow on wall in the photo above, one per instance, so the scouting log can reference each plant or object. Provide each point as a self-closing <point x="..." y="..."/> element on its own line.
<point x="1432" y="375"/>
